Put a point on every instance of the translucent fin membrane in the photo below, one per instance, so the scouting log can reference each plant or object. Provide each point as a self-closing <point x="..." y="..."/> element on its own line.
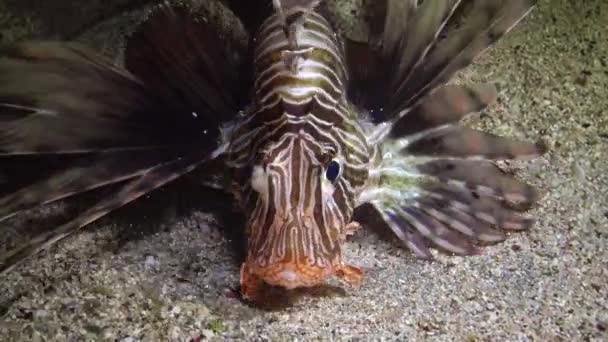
<point x="438" y="184"/>
<point x="101" y="125"/>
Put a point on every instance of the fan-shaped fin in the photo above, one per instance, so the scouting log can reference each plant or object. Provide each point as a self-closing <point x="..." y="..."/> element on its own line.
<point x="407" y="234"/>
<point x="106" y="125"/>
<point x="446" y="105"/>
<point x="422" y="45"/>
<point x="481" y="176"/>
<point x="436" y="184"/>
<point x="150" y="180"/>
<point x="464" y="142"/>
<point x="63" y="98"/>
<point x="186" y="58"/>
<point x="488" y="21"/>
<point x="448" y="193"/>
<point x="423" y="212"/>
<point x="88" y="172"/>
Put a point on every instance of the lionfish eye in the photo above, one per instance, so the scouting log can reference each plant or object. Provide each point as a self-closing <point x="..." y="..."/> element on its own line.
<point x="333" y="171"/>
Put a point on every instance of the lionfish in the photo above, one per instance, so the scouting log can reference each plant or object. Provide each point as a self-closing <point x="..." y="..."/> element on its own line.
<point x="319" y="133"/>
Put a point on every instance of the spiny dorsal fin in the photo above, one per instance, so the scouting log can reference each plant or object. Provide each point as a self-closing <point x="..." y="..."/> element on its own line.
<point x="287" y="8"/>
<point x="291" y="13"/>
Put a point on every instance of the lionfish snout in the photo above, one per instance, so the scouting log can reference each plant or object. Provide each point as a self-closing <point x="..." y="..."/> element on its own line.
<point x="291" y="255"/>
<point x="295" y="225"/>
<point x="292" y="271"/>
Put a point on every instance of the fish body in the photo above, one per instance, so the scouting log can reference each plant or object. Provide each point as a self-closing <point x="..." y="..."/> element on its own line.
<point x="300" y="155"/>
<point x="328" y="135"/>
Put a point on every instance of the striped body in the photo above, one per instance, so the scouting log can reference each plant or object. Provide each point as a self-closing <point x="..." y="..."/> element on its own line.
<point x="298" y="126"/>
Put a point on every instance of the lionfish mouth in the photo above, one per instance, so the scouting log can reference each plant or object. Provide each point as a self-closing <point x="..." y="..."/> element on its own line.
<point x="291" y="275"/>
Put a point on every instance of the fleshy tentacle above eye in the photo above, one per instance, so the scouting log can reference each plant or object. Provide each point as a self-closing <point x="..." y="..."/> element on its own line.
<point x="438" y="184"/>
<point x="101" y="124"/>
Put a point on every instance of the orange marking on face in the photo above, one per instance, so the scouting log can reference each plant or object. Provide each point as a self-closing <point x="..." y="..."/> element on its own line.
<point x="291" y="275"/>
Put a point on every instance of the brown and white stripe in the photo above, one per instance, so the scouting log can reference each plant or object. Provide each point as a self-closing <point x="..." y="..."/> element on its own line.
<point x="298" y="124"/>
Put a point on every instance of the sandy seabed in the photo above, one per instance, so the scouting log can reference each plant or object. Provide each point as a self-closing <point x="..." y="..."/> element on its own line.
<point x="163" y="269"/>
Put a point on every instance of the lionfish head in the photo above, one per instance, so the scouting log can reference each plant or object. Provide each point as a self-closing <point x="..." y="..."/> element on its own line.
<point x="300" y="211"/>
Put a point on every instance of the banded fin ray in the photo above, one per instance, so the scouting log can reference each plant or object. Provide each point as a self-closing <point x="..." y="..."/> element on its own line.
<point x="442" y="187"/>
<point x="421" y="46"/>
<point x="88" y="172"/>
<point x="448" y="216"/>
<point x="483" y="177"/>
<point x="445" y="106"/>
<point x="151" y="179"/>
<point x="422" y="34"/>
<point x="464" y="142"/>
<point x="60" y="97"/>
<point x="405" y="232"/>
<point x="487" y="22"/>
<point x="432" y="128"/>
